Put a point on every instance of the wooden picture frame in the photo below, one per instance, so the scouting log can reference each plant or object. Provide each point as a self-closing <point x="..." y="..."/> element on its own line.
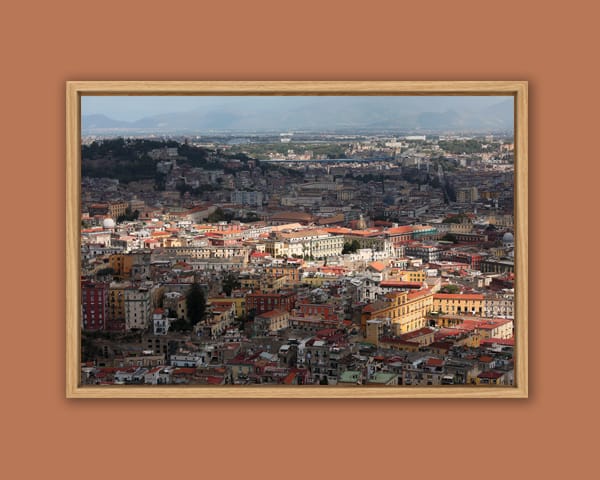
<point x="76" y="89"/>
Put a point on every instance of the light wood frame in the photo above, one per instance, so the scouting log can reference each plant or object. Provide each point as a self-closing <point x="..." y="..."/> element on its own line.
<point x="517" y="89"/>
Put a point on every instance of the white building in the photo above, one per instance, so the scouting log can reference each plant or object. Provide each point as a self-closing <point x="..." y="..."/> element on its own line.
<point x="500" y="305"/>
<point x="161" y="324"/>
<point x="189" y="360"/>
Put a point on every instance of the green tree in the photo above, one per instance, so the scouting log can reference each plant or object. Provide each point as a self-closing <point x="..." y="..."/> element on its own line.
<point x="450" y="289"/>
<point x="195" y="303"/>
<point x="455" y="218"/>
<point x="180" y="325"/>
<point x="230" y="283"/>
<point x="105" y="272"/>
<point x="219" y="215"/>
<point x="351" y="247"/>
<point x="449" y="237"/>
<point x="128" y="215"/>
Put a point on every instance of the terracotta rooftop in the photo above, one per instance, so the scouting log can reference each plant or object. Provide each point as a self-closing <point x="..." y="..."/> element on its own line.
<point x="378" y="266"/>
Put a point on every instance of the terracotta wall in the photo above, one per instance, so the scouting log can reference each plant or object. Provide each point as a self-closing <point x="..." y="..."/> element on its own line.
<point x="45" y="44"/>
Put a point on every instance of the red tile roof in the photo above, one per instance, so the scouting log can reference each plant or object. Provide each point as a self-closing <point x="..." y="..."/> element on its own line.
<point x="418" y="293"/>
<point x="492" y="374"/>
<point x="337" y="230"/>
<point x="184" y="371"/>
<point x="499" y="341"/>
<point x="214" y="380"/>
<point x="398" y="341"/>
<point x="442" y="345"/>
<point x="365" y="233"/>
<point x="271" y="314"/>
<point x="326" y="332"/>
<point x="417" y="333"/>
<point x="378" y="266"/>
<point x="434" y="362"/>
<point x="399" y="230"/>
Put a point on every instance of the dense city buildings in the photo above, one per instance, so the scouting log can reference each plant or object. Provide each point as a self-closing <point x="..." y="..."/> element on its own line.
<point x="302" y="259"/>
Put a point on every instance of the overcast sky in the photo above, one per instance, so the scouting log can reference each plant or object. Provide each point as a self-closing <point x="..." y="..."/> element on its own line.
<point x="131" y="108"/>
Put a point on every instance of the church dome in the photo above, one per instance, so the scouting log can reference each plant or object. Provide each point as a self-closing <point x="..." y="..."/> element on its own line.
<point x="508" y="238"/>
<point x="108" y="223"/>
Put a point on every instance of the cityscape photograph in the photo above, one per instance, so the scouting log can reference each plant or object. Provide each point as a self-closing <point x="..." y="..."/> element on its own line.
<point x="297" y="240"/>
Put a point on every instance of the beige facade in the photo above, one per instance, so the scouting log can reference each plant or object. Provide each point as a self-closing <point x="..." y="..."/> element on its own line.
<point x="272" y="321"/>
<point x="115" y="210"/>
<point x="315" y="243"/>
<point x="502" y="329"/>
<point x="138" y="307"/>
<point x="500" y="305"/>
<point x="220" y="319"/>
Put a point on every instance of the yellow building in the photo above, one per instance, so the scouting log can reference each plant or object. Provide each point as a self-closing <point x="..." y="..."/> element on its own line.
<point x="276" y="248"/>
<point x="418" y="305"/>
<point x="220" y="318"/>
<point x="464" y="227"/>
<point x="412" y="275"/>
<point x="399" y="344"/>
<point x="116" y="302"/>
<point x="496" y="328"/>
<point x="240" y="303"/>
<point x="172" y="242"/>
<point x="264" y="284"/>
<point x="406" y="311"/>
<point x="494" y="377"/>
<point x="115" y="210"/>
<point x="447" y="321"/>
<point x="270" y="322"/>
<point x="318" y="281"/>
<point x="423" y="336"/>
<point x="507" y="220"/>
<point x="374" y="330"/>
<point x="458" y="304"/>
<point x="121" y="263"/>
<point x="290" y="270"/>
<point x="250" y="283"/>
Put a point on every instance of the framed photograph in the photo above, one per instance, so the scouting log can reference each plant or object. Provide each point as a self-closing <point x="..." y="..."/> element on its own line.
<point x="296" y="239"/>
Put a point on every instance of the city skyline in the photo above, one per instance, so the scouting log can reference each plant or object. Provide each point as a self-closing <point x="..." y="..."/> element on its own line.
<point x="161" y="114"/>
<point x="307" y="240"/>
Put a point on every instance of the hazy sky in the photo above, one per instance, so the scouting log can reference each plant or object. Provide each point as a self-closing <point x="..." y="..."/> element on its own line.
<point x="137" y="107"/>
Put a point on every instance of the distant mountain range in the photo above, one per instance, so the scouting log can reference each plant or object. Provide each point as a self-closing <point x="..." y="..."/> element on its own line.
<point x="323" y="114"/>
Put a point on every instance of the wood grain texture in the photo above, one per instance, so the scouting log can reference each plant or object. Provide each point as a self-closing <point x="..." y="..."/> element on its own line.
<point x="73" y="186"/>
<point x="298" y="88"/>
<point x="521" y="237"/>
<point x="517" y="89"/>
